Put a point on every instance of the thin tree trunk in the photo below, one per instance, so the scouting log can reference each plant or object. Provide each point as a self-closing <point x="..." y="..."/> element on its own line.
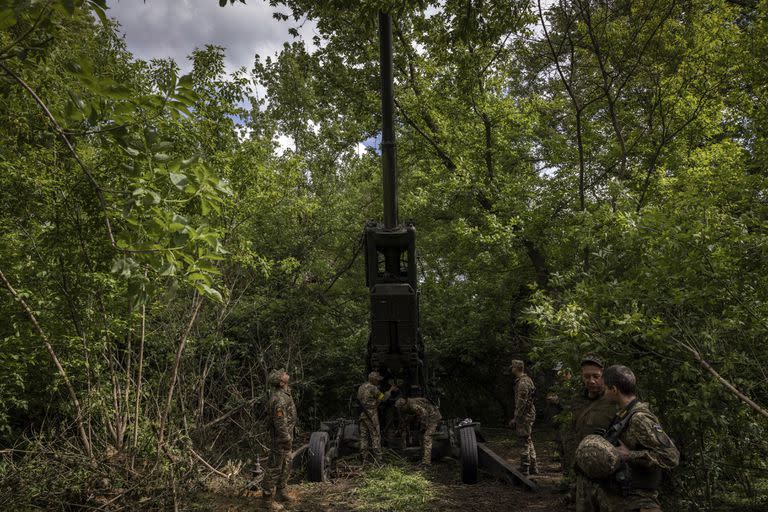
<point x="139" y="378"/>
<point x="197" y="301"/>
<point x="72" y="395"/>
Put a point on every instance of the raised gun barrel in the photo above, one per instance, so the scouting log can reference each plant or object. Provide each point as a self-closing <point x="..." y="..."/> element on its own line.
<point x="395" y="347"/>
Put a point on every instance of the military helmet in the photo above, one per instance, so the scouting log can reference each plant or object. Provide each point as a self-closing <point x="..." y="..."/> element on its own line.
<point x="374" y="375"/>
<point x="400" y="403"/>
<point x="275" y="376"/>
<point x="597" y="457"/>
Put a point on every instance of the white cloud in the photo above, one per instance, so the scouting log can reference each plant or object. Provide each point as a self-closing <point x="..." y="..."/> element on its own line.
<point x="173" y="28"/>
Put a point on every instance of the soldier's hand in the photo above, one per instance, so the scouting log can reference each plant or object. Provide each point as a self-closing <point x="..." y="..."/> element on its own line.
<point x="623" y="451"/>
<point x="393" y="387"/>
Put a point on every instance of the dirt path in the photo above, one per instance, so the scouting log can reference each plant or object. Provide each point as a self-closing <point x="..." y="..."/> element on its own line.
<point x="341" y="494"/>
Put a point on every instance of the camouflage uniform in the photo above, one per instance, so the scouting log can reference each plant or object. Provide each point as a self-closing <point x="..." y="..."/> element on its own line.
<point x="650" y="451"/>
<point x="525" y="414"/>
<point x="281" y="420"/>
<point x="589" y="416"/>
<point x="369" y="395"/>
<point x="429" y="416"/>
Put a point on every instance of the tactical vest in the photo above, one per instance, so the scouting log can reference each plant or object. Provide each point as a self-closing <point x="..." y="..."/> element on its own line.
<point x="631" y="477"/>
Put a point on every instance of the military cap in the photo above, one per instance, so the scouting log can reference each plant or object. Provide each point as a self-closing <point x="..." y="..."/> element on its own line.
<point x="374" y="375"/>
<point x="516" y="363"/>
<point x="592" y="359"/>
<point x="597" y="457"/>
<point x="275" y="376"/>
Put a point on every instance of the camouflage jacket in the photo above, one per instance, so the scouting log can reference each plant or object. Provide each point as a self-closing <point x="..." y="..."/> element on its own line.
<point x="423" y="409"/>
<point x="370" y="396"/>
<point x="649" y="446"/>
<point x="587" y="416"/>
<point x="525" y="410"/>
<point x="281" y="414"/>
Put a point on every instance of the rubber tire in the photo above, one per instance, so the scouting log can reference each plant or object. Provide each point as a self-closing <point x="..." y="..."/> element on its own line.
<point x="317" y="470"/>
<point x="469" y="460"/>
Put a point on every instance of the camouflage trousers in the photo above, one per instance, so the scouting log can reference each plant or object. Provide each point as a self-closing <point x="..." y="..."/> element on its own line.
<point x="527" y="454"/>
<point x="430" y="425"/>
<point x="586" y="494"/>
<point x="370" y="435"/>
<point x="278" y="468"/>
<point x="610" y="499"/>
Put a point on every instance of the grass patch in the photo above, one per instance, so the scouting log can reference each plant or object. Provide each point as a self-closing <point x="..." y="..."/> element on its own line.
<point x="394" y="489"/>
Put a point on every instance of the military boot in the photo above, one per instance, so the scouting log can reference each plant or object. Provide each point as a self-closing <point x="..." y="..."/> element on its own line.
<point x="285" y="496"/>
<point x="269" y="502"/>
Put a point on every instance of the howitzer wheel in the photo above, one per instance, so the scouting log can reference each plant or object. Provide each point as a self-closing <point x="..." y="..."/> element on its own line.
<point x="317" y="458"/>
<point x="469" y="459"/>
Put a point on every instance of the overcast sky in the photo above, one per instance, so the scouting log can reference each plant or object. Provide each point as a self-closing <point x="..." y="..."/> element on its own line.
<point x="173" y="28"/>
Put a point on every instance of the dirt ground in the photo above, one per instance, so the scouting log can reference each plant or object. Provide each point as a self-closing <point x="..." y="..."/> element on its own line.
<point x="449" y="494"/>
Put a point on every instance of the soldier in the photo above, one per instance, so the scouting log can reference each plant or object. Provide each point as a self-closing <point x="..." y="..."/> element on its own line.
<point x="643" y="447"/>
<point x="281" y="420"/>
<point x="590" y="413"/>
<point x="369" y="396"/>
<point x="428" y="415"/>
<point x="525" y="414"/>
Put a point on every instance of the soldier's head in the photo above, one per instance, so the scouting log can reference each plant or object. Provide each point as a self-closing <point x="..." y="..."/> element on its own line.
<point x="401" y="402"/>
<point x="592" y="375"/>
<point x="278" y="378"/>
<point x="374" y="377"/>
<point x="620" y="383"/>
<point x="517" y="367"/>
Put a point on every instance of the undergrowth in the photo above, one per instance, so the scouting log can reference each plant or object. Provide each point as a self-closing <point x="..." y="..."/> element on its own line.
<point x="394" y="489"/>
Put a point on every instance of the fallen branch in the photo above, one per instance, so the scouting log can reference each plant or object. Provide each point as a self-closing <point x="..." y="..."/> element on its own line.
<point x="744" y="398"/>
<point x="206" y="464"/>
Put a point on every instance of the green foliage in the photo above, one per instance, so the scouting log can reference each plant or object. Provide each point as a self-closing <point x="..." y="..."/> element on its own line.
<point x="598" y="186"/>
<point x="396" y="489"/>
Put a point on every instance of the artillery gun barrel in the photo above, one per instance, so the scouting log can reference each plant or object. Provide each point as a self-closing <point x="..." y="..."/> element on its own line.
<point x="388" y="160"/>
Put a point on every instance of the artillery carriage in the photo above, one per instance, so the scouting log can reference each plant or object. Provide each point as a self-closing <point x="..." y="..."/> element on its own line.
<point x="395" y="347"/>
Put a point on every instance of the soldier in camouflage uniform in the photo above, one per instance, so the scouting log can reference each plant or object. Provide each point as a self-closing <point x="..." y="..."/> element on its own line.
<point x="525" y="414"/>
<point x="643" y="447"/>
<point x="590" y="413"/>
<point x="428" y="415"/>
<point x="281" y="421"/>
<point x="369" y="396"/>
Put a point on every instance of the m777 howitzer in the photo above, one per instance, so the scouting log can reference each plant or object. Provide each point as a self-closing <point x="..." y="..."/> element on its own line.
<point x="395" y="347"/>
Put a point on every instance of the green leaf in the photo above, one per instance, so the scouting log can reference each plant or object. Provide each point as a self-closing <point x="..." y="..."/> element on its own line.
<point x="99" y="7"/>
<point x="179" y="180"/>
<point x="189" y="161"/>
<point x="117" y="91"/>
<point x="162" y="146"/>
<point x="211" y="293"/>
<point x="185" y="81"/>
<point x="7" y="19"/>
<point x="181" y="107"/>
<point x="131" y="152"/>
